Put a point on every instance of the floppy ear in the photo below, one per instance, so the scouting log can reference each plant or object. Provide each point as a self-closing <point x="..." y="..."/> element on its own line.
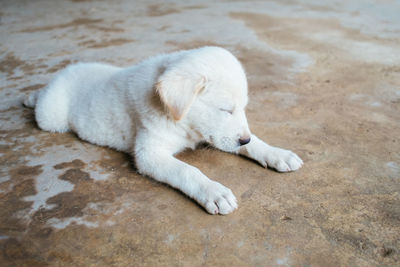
<point x="178" y="91"/>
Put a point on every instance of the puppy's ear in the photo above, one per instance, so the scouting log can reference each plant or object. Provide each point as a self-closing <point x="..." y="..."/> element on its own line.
<point x="178" y="91"/>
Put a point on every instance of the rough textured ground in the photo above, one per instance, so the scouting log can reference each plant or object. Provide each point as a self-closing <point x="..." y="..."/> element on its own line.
<point x="324" y="81"/>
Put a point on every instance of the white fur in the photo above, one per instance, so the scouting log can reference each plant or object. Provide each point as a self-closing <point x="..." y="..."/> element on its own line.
<point x="156" y="109"/>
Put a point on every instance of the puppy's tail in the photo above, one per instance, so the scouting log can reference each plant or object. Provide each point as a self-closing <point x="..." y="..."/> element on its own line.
<point x="30" y="100"/>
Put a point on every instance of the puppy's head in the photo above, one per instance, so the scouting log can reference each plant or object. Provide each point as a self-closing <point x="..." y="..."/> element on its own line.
<point x="206" y="90"/>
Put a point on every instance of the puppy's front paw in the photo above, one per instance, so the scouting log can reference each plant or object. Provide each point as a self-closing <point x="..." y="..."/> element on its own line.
<point x="283" y="160"/>
<point x="217" y="199"/>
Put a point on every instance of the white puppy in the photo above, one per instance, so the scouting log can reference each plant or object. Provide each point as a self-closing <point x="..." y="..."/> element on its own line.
<point x="156" y="109"/>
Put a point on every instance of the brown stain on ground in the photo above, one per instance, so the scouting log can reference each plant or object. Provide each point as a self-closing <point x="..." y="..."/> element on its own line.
<point x="18" y="254"/>
<point x="107" y="29"/>
<point x="7" y="110"/>
<point x="156" y="10"/>
<point x="195" y="7"/>
<point x="76" y="163"/>
<point x="105" y="43"/>
<point x="74" y="23"/>
<point x="11" y="203"/>
<point x="191" y="44"/>
<point x="10" y="63"/>
<point x="61" y="65"/>
<point x="32" y="88"/>
<point x="27" y="171"/>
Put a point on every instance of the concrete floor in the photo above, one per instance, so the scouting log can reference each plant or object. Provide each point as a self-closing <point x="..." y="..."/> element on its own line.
<point x="324" y="81"/>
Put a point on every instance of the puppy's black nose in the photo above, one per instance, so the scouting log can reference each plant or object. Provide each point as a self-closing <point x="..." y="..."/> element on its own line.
<point x="243" y="141"/>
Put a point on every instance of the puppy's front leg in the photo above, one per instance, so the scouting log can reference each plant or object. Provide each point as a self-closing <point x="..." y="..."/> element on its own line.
<point x="280" y="159"/>
<point x="164" y="167"/>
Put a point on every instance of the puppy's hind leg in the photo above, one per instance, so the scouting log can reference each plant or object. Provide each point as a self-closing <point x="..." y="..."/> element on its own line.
<point x="51" y="110"/>
<point x="31" y="99"/>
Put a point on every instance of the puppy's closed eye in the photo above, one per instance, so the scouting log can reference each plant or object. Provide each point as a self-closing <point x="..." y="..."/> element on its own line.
<point x="230" y="111"/>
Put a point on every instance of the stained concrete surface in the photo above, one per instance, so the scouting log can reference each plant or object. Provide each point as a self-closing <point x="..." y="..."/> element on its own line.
<point x="324" y="81"/>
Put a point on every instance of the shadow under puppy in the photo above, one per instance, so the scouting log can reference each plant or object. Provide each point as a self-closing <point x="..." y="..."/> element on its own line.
<point x="156" y="109"/>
